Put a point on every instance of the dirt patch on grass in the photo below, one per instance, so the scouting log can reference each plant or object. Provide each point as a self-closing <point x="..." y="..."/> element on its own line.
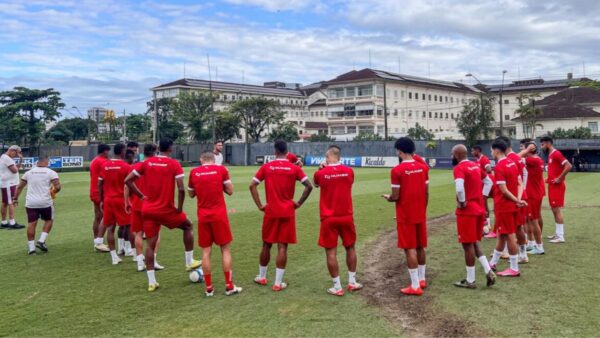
<point x="385" y="272"/>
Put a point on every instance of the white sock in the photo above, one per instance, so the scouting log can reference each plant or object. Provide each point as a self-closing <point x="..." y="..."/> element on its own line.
<point x="155" y="260"/>
<point x="336" y="283"/>
<point x="114" y="255"/>
<point x="414" y="278"/>
<point x="43" y="237"/>
<point x="4" y="222"/>
<point x="31" y="245"/>
<point x="127" y="246"/>
<point x="514" y="262"/>
<point x="151" y="277"/>
<point x="140" y="260"/>
<point x="262" y="271"/>
<point x="540" y="246"/>
<point x="351" y="277"/>
<point x="531" y="243"/>
<point x="421" y="270"/>
<point x="98" y="240"/>
<point x="12" y="222"/>
<point x="120" y="242"/>
<point x="189" y="257"/>
<point x="279" y="276"/>
<point x="484" y="263"/>
<point x="560" y="230"/>
<point x="522" y="251"/>
<point x="495" y="257"/>
<point x="471" y="274"/>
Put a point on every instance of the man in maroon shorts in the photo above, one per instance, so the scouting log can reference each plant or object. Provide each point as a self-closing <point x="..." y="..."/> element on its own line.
<point x="208" y="182"/>
<point x="97" y="228"/>
<point x="507" y="205"/>
<point x="558" y="168"/>
<point x="279" y="222"/>
<point x="471" y="183"/>
<point x="9" y="179"/>
<point x="335" y="181"/>
<point x="161" y="173"/>
<point x="410" y="193"/>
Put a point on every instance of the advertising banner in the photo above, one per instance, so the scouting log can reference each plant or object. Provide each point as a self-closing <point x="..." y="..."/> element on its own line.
<point x="56" y="162"/>
<point x="349" y="161"/>
<point x="380" y="161"/>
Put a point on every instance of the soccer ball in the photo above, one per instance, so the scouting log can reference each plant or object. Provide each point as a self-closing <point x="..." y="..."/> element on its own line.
<point x="197" y="276"/>
<point x="486" y="230"/>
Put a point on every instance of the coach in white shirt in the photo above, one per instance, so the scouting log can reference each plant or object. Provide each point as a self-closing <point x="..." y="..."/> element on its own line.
<point x="42" y="185"/>
<point x="9" y="179"/>
<point x="218" y="151"/>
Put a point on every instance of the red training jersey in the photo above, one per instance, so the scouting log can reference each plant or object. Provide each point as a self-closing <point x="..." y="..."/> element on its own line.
<point x="535" y="177"/>
<point x="419" y="159"/>
<point x="207" y="182"/>
<point x="335" y="181"/>
<point x="556" y="162"/>
<point x="95" y="167"/>
<point x="134" y="200"/>
<point x="113" y="173"/>
<point x="521" y="167"/>
<point x="160" y="173"/>
<point x="280" y="178"/>
<point x="292" y="158"/>
<point x="506" y="172"/>
<point x="472" y="176"/>
<point x="411" y="178"/>
<point x="484" y="162"/>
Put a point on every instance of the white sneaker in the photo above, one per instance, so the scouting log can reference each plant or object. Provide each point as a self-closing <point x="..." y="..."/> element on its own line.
<point x="552" y="236"/>
<point x="102" y="247"/>
<point x="209" y="293"/>
<point x="141" y="268"/>
<point x="130" y="253"/>
<point x="121" y="252"/>
<point x="557" y="240"/>
<point x="116" y="261"/>
<point x="235" y="290"/>
<point x="158" y="266"/>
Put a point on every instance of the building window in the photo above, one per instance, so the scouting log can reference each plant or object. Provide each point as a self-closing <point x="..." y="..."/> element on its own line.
<point x="396" y="129"/>
<point x="334" y="93"/>
<point x="403" y="114"/>
<point x="402" y="94"/>
<point x="395" y="112"/>
<point x="395" y="93"/>
<point x="435" y="98"/>
<point x="423" y="96"/>
<point x="429" y="97"/>
<point x="446" y="116"/>
<point x="410" y="113"/>
<point x="351" y="129"/>
<point x="424" y="114"/>
<point x="366" y="129"/>
<point x="452" y="116"/>
<point x="505" y="101"/>
<point x="365" y="90"/>
<point x="429" y="114"/>
<point x="350" y="91"/>
<point x="593" y="126"/>
<point x="409" y="95"/>
<point x="446" y="99"/>
<point x="436" y="115"/>
<point x="506" y="117"/>
<point x="451" y="99"/>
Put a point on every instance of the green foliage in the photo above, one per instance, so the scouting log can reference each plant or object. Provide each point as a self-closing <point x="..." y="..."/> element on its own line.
<point x="320" y="138"/>
<point x="529" y="113"/>
<point x="227" y="126"/>
<point x="286" y="131"/>
<point x="576" y="133"/>
<point x="70" y="129"/>
<point x="32" y="107"/>
<point x="12" y="129"/>
<point x="591" y="83"/>
<point x="256" y="114"/>
<point x="167" y="126"/>
<point x="367" y="136"/>
<point x="476" y="119"/>
<point x="194" y="110"/>
<point x="138" y="127"/>
<point x="419" y="133"/>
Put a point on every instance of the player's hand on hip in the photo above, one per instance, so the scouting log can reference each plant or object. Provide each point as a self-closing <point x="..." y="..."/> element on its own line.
<point x="461" y="205"/>
<point x="386" y="197"/>
<point x="262" y="208"/>
<point x="297" y="205"/>
<point x="557" y="181"/>
<point x="127" y="208"/>
<point x="179" y="210"/>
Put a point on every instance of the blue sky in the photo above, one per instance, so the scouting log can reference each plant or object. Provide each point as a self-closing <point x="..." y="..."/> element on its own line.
<point x="109" y="53"/>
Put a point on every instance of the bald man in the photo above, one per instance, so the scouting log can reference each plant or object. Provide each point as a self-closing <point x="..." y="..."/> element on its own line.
<point x="472" y="184"/>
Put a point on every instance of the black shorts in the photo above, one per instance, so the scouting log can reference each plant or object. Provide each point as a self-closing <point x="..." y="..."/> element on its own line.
<point x="46" y="214"/>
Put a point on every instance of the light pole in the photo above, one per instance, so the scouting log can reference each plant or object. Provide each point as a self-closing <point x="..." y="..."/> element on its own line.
<point x="501" y="103"/>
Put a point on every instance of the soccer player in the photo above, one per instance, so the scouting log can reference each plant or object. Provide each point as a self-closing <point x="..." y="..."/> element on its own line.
<point x="337" y="220"/>
<point x="485" y="165"/>
<point x="111" y="183"/>
<point x="218" y="152"/>
<point x="522" y="216"/>
<point x="558" y="168"/>
<point x="97" y="227"/>
<point x="161" y="173"/>
<point x="410" y="192"/>
<point x="42" y="185"/>
<point x="293" y="159"/>
<point x="208" y="182"/>
<point x="507" y="205"/>
<point x="419" y="159"/>
<point x="279" y="222"/>
<point x="130" y="156"/>
<point x="9" y="179"/>
<point x="472" y="185"/>
<point x="133" y="206"/>
<point x="536" y="191"/>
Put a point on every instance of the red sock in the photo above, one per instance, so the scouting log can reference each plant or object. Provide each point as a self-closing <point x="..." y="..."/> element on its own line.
<point x="228" y="279"/>
<point x="208" y="281"/>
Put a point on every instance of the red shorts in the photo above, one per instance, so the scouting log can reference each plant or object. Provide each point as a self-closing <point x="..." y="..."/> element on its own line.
<point x="412" y="236"/>
<point x="522" y="215"/>
<point x="95" y="198"/>
<point x="506" y="222"/>
<point x="216" y="231"/>
<point x="8" y="194"/>
<point x="136" y="220"/>
<point x="534" y="209"/>
<point x="334" y="227"/>
<point x="469" y="228"/>
<point x="556" y="194"/>
<point x="279" y="230"/>
<point x="153" y="220"/>
<point x="114" y="212"/>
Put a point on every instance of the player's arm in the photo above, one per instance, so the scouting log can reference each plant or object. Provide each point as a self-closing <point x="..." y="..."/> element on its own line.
<point x="101" y="188"/>
<point x="180" y="193"/>
<point x="14" y="168"/>
<point x="130" y="183"/>
<point x="509" y="195"/>
<point x="488" y="168"/>
<point x="20" y="188"/>
<point x="487" y="186"/>
<point x="299" y="163"/>
<point x="393" y="197"/>
<point x="308" y="187"/>
<point x="190" y="188"/>
<point x="228" y="187"/>
<point x="521" y="188"/>
<point x="56" y="185"/>
<point x="567" y="166"/>
<point x="459" y="187"/>
<point x="126" y="194"/>
<point x="255" y="196"/>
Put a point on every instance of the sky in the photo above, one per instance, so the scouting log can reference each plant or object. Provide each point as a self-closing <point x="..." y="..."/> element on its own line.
<point x="110" y="53"/>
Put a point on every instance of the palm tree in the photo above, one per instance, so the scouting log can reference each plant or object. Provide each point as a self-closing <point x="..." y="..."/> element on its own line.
<point x="529" y="114"/>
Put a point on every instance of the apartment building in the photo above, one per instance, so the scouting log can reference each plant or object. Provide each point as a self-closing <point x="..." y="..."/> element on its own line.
<point x="98" y="115"/>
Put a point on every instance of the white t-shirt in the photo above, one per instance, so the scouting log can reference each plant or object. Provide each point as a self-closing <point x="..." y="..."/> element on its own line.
<point x="7" y="177"/>
<point x="219" y="159"/>
<point x="39" y="180"/>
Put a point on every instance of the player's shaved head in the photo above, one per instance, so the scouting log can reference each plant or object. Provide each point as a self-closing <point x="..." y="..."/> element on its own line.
<point x="459" y="151"/>
<point x="150" y="149"/>
<point x="334" y="152"/>
<point x="207" y="157"/>
<point x="43" y="161"/>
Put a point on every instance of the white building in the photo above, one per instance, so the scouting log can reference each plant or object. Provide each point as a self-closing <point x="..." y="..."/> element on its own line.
<point x="98" y="114"/>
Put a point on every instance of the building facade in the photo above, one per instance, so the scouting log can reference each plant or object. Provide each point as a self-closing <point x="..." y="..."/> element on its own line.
<point x="98" y="115"/>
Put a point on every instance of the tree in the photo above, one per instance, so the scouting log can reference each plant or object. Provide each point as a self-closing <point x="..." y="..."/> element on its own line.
<point x="320" y="138"/>
<point x="529" y="113"/>
<point x="112" y="120"/>
<point x="167" y="126"/>
<point x="476" y="119"/>
<point x="367" y="136"/>
<point x="12" y="129"/>
<point x="194" y="109"/>
<point x="591" y="83"/>
<point x="70" y="129"/>
<point x="286" y="131"/>
<point x="33" y="107"/>
<point x="419" y="133"/>
<point x="138" y="127"/>
<point x="576" y="133"/>
<point x="256" y="114"/>
<point x="59" y="133"/>
<point x="227" y="126"/>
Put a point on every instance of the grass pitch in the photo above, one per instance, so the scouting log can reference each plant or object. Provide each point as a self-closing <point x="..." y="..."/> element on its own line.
<point x="73" y="291"/>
